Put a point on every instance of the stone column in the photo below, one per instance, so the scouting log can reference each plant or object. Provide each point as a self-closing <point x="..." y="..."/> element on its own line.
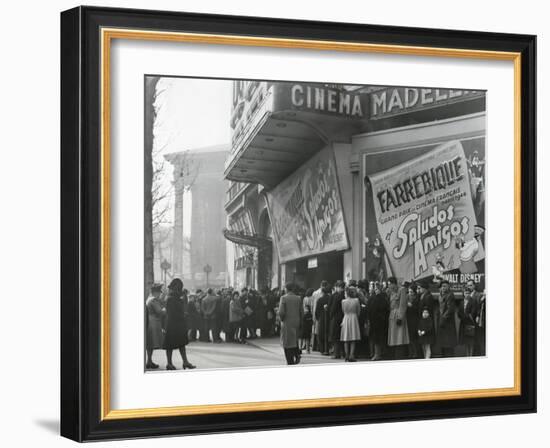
<point x="177" y="252"/>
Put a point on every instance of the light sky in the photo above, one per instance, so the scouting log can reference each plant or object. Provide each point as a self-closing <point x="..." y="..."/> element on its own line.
<point x="193" y="113"/>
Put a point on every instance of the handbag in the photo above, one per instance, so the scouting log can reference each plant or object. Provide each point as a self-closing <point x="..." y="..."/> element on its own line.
<point x="469" y="330"/>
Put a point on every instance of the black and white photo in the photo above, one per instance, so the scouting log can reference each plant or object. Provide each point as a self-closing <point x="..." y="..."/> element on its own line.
<point x="306" y="223"/>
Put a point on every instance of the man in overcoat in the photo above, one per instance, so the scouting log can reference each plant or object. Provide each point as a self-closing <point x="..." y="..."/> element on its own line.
<point x="317" y="294"/>
<point x="446" y="335"/>
<point x="398" y="332"/>
<point x="209" y="308"/>
<point x="290" y="314"/>
<point x="335" y="315"/>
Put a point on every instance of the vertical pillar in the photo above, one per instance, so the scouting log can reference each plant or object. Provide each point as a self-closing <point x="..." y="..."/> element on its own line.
<point x="177" y="252"/>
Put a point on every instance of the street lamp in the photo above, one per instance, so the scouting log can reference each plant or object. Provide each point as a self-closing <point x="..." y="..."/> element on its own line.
<point x="207" y="270"/>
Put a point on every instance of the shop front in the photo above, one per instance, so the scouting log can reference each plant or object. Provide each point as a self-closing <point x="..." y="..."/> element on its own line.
<point x="342" y="172"/>
<point x="294" y="141"/>
<point x="310" y="272"/>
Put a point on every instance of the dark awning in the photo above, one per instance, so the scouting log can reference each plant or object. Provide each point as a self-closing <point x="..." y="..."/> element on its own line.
<point x="284" y="124"/>
<point x="247" y="239"/>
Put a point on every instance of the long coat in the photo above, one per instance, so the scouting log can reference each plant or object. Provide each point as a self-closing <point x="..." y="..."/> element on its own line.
<point x="377" y="314"/>
<point x="176" y="326"/>
<point x="398" y="333"/>
<point x="155" y="314"/>
<point x="413" y="316"/>
<point x="468" y="313"/>
<point x="236" y="312"/>
<point x="322" y="322"/>
<point x="290" y="313"/>
<point x="446" y="334"/>
<point x="335" y="315"/>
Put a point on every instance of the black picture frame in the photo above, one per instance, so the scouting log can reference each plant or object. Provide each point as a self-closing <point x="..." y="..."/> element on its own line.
<point x="81" y="224"/>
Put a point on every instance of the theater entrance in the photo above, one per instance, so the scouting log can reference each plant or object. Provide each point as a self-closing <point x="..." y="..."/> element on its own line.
<point x="310" y="272"/>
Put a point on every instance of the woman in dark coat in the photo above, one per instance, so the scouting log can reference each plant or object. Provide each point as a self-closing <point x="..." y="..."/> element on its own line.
<point x="377" y="314"/>
<point x="175" y="326"/>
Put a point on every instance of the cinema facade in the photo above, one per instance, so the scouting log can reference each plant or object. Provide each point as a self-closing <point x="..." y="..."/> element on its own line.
<point x="347" y="182"/>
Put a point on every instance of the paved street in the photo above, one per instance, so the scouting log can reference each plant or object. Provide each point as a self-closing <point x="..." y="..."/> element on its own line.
<point x="257" y="352"/>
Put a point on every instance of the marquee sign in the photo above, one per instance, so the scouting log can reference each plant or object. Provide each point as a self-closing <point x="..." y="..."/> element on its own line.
<point x="400" y="100"/>
<point x="320" y="98"/>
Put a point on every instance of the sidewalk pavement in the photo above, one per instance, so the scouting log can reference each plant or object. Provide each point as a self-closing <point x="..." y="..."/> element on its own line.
<point x="259" y="352"/>
<point x="273" y="345"/>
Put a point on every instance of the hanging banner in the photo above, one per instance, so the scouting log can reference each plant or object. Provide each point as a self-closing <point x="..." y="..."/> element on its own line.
<point x="306" y="210"/>
<point x="425" y="215"/>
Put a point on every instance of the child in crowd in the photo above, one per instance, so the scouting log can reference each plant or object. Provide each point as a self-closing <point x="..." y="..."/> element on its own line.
<point x="426" y="333"/>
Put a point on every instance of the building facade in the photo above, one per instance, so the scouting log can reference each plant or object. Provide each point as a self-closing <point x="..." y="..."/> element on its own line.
<point x="199" y="259"/>
<point x="311" y="164"/>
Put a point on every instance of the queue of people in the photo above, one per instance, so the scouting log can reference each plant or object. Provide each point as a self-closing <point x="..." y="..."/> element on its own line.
<point x="175" y="317"/>
<point x="368" y="320"/>
<point x="383" y="320"/>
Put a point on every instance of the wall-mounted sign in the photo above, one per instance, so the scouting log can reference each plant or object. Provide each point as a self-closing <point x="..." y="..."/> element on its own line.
<point x="312" y="263"/>
<point x="249" y="102"/>
<point x="425" y="215"/>
<point x="399" y="100"/>
<point x="306" y="210"/>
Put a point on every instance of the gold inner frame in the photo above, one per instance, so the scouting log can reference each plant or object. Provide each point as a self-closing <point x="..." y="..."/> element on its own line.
<point x="107" y="35"/>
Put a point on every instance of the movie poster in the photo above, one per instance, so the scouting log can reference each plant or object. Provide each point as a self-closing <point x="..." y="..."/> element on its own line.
<point x="425" y="216"/>
<point x="306" y="210"/>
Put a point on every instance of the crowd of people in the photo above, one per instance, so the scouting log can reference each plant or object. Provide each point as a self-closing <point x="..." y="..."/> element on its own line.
<point x="206" y="315"/>
<point x="384" y="320"/>
<point x="357" y="319"/>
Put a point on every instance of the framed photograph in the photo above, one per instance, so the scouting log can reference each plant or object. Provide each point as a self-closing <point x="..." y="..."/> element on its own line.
<point x="277" y="224"/>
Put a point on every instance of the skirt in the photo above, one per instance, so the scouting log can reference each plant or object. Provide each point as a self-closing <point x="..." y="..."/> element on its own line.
<point x="350" y="330"/>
